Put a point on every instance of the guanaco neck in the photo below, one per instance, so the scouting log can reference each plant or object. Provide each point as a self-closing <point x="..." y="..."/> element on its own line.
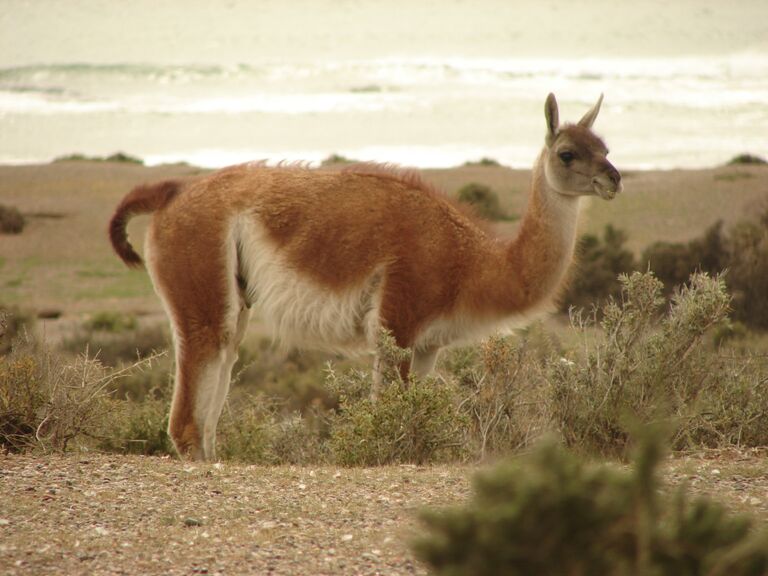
<point x="534" y="264"/>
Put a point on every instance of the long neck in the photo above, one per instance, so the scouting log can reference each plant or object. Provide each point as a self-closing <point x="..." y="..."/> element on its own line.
<point x="533" y="265"/>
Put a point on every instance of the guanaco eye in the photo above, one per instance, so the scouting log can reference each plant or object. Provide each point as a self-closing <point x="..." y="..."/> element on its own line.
<point x="566" y="156"/>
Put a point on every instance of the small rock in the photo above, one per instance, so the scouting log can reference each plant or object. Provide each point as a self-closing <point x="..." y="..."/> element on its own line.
<point x="346" y="537"/>
<point x="716" y="472"/>
<point x="192" y="522"/>
<point x="755" y="501"/>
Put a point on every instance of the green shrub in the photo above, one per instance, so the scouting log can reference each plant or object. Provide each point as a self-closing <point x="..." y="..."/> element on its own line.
<point x="673" y="263"/>
<point x="415" y="421"/>
<point x="743" y="252"/>
<point x="504" y="393"/>
<point x="111" y="322"/>
<point x="634" y="371"/>
<point x="484" y="161"/>
<point x="336" y="159"/>
<point x="747" y="159"/>
<point x="14" y="324"/>
<point x="139" y="427"/>
<point x="256" y="430"/>
<point x="598" y="265"/>
<point x="483" y="199"/>
<point x="11" y="220"/>
<point x="729" y="331"/>
<point x="294" y="379"/>
<point x="551" y="513"/>
<point x="116" y="157"/>
<point x="748" y="272"/>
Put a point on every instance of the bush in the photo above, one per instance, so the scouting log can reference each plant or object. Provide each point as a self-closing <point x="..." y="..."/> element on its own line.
<point x="294" y="379"/>
<point x="47" y="402"/>
<point x="14" y="324"/>
<point x="257" y="430"/>
<point x="748" y="272"/>
<point x="484" y="200"/>
<point x="747" y="159"/>
<point x="414" y="422"/>
<point x="336" y="159"/>
<point x="11" y="220"/>
<point x="673" y="263"/>
<point x="634" y="372"/>
<point x="484" y="161"/>
<point x="598" y="265"/>
<point x="120" y="157"/>
<point x="140" y="426"/>
<point x="743" y="252"/>
<point x="550" y="513"/>
<point x="504" y="393"/>
<point x="111" y="322"/>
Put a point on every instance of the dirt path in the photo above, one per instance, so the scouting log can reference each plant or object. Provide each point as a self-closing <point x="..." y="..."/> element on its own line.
<point x="107" y="514"/>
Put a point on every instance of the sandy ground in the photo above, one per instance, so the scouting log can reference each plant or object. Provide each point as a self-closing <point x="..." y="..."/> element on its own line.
<point x="108" y="514"/>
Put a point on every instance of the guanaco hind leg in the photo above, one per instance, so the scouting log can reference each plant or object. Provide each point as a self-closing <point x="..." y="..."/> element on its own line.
<point x="200" y="292"/>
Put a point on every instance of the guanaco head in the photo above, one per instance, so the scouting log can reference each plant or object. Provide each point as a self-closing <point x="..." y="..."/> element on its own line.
<point x="575" y="159"/>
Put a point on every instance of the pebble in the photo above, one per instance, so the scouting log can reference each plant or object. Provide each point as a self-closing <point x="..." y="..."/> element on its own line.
<point x="192" y="522"/>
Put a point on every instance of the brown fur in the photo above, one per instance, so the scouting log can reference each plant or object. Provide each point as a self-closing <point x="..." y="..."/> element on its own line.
<point x="141" y="200"/>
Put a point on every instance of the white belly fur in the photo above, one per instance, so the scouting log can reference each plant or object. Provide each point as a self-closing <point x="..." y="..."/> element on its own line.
<point x="301" y="312"/>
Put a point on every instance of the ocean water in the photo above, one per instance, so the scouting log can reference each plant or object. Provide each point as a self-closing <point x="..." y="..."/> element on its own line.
<point x="418" y="83"/>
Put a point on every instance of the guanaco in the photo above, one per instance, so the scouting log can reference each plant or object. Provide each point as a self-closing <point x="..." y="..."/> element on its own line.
<point x="331" y="257"/>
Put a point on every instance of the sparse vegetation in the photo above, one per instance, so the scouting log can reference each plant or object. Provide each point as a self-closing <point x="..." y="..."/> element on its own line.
<point x="121" y="157"/>
<point x="747" y="159"/>
<point x="11" y="220"/>
<point x="14" y="324"/>
<point x="485" y="161"/>
<point x="111" y="322"/>
<point x="483" y="199"/>
<point x="336" y="159"/>
<point x="115" y="339"/>
<point x="48" y="402"/>
<point x="633" y="365"/>
<point x="598" y="264"/>
<point x="550" y="513"/>
<point x="743" y="252"/>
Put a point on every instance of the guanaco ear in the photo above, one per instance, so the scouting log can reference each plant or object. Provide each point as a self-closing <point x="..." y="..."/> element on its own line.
<point x="589" y="117"/>
<point x="553" y="118"/>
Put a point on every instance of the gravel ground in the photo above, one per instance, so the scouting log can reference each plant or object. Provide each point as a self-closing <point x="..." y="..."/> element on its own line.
<point x="108" y="514"/>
